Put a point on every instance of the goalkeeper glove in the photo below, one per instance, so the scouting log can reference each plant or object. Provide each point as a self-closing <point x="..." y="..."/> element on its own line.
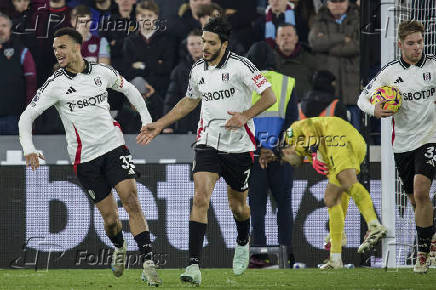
<point x="319" y="166"/>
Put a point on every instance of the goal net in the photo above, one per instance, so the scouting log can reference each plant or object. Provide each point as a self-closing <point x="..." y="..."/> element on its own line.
<point x="399" y="248"/>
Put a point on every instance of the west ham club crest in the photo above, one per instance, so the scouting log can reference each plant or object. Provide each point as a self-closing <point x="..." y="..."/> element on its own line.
<point x="9" y="52"/>
<point x="92" y="48"/>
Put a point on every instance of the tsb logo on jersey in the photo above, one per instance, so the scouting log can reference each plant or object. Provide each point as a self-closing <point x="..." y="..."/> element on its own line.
<point x="218" y="95"/>
<point x="91" y="101"/>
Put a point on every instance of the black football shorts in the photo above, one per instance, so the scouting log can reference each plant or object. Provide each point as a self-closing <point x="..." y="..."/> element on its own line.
<point x="101" y="174"/>
<point x="233" y="167"/>
<point x="419" y="161"/>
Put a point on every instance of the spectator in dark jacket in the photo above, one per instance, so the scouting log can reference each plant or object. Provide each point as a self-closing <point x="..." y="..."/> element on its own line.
<point x="240" y="14"/>
<point x="188" y="17"/>
<point x="47" y="17"/>
<point x="150" y="54"/>
<point x="126" y="16"/>
<point x="17" y="78"/>
<point x="21" y="24"/>
<point x="122" y="24"/>
<point x="293" y="59"/>
<point x="179" y="83"/>
<point x="321" y="97"/>
<point x="335" y="38"/>
<point x="305" y="14"/>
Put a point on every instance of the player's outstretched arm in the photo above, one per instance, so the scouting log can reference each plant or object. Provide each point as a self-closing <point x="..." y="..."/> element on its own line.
<point x="181" y="109"/>
<point x="238" y="119"/>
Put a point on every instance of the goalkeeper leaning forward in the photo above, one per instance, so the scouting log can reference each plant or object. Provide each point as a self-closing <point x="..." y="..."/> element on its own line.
<point x="336" y="150"/>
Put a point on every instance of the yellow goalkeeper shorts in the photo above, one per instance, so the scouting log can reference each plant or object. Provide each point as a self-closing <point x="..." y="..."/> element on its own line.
<point x="348" y="154"/>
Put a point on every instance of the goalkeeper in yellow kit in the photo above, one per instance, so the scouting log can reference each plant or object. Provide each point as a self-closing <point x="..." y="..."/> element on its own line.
<point x="336" y="150"/>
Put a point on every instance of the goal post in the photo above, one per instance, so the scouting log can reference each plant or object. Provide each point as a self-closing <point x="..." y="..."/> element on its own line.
<point x="388" y="47"/>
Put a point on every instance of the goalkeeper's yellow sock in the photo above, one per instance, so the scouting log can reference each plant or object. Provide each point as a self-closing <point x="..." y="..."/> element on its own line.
<point x="345" y="199"/>
<point x="336" y="223"/>
<point x="363" y="201"/>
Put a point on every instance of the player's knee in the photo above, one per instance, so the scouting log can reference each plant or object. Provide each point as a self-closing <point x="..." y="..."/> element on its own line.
<point x="329" y="201"/>
<point x="200" y="201"/>
<point x="421" y="195"/>
<point x="421" y="188"/>
<point x="346" y="186"/>
<point x="238" y="207"/>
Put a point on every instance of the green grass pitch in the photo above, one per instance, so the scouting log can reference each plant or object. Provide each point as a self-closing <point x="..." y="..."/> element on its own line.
<point x="222" y="279"/>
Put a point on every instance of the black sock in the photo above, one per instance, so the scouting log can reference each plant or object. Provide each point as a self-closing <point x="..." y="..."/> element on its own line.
<point x="424" y="238"/>
<point x="118" y="239"/>
<point x="243" y="228"/>
<point x="196" y="238"/>
<point x="144" y="244"/>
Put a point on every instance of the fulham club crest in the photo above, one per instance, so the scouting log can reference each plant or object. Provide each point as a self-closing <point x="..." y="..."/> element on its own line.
<point x="427" y="76"/>
<point x="9" y="52"/>
<point x="225" y="77"/>
<point x="97" y="81"/>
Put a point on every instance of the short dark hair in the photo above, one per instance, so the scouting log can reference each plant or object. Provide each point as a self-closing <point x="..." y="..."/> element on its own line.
<point x="147" y="5"/>
<point x="195" y="32"/>
<point x="81" y="10"/>
<point x="262" y="56"/>
<point x="71" y="32"/>
<point x="219" y="26"/>
<point x="285" y="24"/>
<point x="204" y="10"/>
<point x="208" y="9"/>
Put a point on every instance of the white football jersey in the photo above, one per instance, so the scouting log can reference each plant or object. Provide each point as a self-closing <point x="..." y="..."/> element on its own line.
<point x="415" y="123"/>
<point x="225" y="88"/>
<point x="81" y="100"/>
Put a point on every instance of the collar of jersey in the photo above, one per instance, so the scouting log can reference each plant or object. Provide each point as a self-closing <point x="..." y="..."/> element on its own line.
<point x="420" y="63"/>
<point x="87" y="70"/>
<point x="223" y="61"/>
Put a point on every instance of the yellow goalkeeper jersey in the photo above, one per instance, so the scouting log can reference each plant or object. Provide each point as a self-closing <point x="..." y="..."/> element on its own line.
<point x="338" y="143"/>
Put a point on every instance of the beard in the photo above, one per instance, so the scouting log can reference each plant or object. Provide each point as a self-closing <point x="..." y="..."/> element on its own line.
<point x="214" y="56"/>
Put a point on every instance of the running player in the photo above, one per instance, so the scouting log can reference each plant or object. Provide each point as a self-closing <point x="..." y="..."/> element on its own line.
<point x="78" y="90"/>
<point x="223" y="82"/>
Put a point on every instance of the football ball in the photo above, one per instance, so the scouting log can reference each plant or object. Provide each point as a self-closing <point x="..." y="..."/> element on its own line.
<point x="390" y="95"/>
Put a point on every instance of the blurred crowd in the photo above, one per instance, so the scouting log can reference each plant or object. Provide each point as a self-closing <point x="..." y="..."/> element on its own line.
<point x="153" y="44"/>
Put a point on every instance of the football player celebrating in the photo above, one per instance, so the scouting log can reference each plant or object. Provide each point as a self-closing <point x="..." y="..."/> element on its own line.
<point x="223" y="82"/>
<point x="336" y="149"/>
<point x="414" y="128"/>
<point x="96" y="146"/>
